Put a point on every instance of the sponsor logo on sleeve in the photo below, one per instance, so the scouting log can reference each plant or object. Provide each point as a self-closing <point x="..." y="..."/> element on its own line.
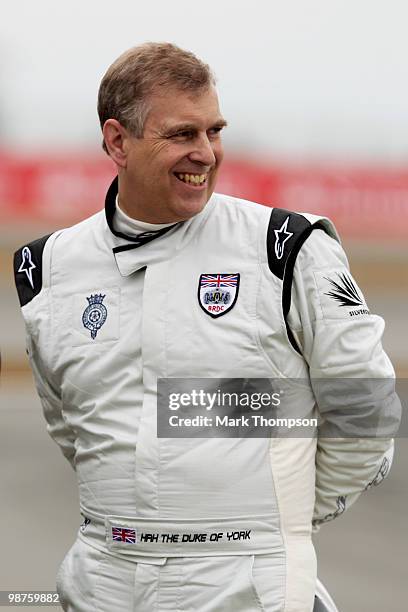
<point x="381" y="474"/>
<point x="341" y="507"/>
<point x="346" y="295"/>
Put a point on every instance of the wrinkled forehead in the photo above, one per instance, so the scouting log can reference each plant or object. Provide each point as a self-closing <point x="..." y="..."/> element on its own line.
<point x="171" y="106"/>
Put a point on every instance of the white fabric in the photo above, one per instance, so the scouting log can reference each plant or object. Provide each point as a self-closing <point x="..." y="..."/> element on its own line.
<point x="90" y="580"/>
<point x="132" y="227"/>
<point x="99" y="399"/>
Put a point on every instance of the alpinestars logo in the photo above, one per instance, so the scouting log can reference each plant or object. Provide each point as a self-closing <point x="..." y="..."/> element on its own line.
<point x="345" y="292"/>
<point x="281" y="237"/>
<point x="27" y="265"/>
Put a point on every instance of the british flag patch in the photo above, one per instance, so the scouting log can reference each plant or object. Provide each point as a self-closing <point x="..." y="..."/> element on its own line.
<point x="122" y="534"/>
<point x="217" y="293"/>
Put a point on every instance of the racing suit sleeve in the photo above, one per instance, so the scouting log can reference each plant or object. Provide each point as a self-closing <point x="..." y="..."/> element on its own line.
<point x="341" y="340"/>
<point x="51" y="402"/>
<point x="32" y="278"/>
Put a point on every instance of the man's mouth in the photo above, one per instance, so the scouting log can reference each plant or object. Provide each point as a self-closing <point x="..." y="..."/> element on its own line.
<point x="191" y="179"/>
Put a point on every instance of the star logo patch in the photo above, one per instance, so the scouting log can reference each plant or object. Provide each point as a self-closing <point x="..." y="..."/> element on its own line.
<point x="27" y="266"/>
<point x="282" y="236"/>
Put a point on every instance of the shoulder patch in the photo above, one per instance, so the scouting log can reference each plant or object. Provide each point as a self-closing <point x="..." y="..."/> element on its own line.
<point x="287" y="232"/>
<point x="28" y="269"/>
<point x="285" y="228"/>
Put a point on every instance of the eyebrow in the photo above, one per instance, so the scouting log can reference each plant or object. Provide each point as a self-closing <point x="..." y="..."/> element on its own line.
<point x="181" y="127"/>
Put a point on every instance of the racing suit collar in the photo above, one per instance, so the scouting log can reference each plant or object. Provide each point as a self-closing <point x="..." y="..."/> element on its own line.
<point x="129" y="258"/>
<point x="135" y="241"/>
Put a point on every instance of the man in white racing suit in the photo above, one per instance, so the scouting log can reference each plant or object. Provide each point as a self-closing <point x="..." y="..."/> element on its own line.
<point x="169" y="282"/>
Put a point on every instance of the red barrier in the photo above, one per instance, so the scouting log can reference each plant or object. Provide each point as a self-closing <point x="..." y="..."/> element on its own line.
<point x="60" y="190"/>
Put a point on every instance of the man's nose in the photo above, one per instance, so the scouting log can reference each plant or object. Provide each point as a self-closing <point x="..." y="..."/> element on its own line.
<point x="203" y="151"/>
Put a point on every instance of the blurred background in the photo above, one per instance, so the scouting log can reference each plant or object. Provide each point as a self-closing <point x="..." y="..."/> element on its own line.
<point x="316" y="96"/>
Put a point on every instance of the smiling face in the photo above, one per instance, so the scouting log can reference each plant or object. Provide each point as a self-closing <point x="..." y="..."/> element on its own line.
<point x="169" y="175"/>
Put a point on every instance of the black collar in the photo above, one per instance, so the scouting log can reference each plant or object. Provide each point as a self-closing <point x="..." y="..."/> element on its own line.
<point x="136" y="241"/>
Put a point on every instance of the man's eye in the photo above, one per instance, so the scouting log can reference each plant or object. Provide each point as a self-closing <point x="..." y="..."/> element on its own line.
<point x="185" y="134"/>
<point x="215" y="131"/>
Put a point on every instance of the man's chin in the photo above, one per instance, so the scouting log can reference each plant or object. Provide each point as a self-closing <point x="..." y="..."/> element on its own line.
<point x="186" y="208"/>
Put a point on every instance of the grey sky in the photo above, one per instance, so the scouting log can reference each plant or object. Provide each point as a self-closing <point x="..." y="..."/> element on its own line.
<point x="297" y="78"/>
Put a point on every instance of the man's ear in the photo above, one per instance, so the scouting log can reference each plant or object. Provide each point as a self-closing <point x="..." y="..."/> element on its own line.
<point x="115" y="137"/>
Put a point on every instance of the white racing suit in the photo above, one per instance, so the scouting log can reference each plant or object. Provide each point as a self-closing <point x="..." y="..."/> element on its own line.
<point x="197" y="524"/>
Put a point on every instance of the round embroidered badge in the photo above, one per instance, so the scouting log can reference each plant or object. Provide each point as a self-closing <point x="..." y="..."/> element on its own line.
<point x="95" y="314"/>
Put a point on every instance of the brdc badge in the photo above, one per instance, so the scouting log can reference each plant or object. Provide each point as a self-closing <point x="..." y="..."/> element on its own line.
<point x="217" y="293"/>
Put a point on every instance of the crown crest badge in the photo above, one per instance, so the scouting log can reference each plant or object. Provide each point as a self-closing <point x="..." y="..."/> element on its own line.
<point x="95" y="314"/>
<point x="96" y="299"/>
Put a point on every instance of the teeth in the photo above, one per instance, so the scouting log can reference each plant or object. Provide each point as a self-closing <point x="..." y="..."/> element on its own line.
<point x="197" y="179"/>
